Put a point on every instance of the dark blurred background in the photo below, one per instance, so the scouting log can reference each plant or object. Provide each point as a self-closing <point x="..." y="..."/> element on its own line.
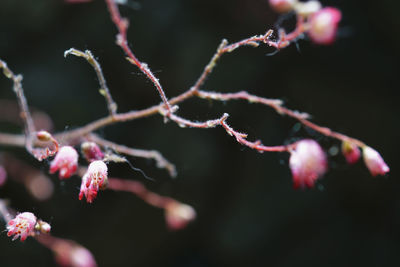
<point x="248" y="212"/>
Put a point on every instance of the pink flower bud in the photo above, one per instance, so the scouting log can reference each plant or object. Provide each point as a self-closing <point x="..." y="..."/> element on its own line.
<point x="178" y="215"/>
<point x="91" y="151"/>
<point x="66" y="161"/>
<point x="307" y="163"/>
<point x="43" y="136"/>
<point x="323" y="25"/>
<point x="351" y="152"/>
<point x="282" y="6"/>
<point x="374" y="162"/>
<point x="94" y="179"/>
<point x="23" y="225"/>
<point x="3" y="175"/>
<point x="42" y="227"/>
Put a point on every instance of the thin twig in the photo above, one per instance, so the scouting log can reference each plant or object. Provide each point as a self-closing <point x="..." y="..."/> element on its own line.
<point x="122" y="26"/>
<point x="112" y="106"/>
<point x="277" y="105"/>
<point x="25" y="114"/>
<point x="31" y="136"/>
<point x="283" y="41"/>
<point x="140" y="191"/>
<point x="240" y="137"/>
<point x="194" y="91"/>
<point x="12" y="140"/>
<point x="177" y="214"/>
<point x="225" y="48"/>
<point x="136" y="114"/>
<point x="134" y="152"/>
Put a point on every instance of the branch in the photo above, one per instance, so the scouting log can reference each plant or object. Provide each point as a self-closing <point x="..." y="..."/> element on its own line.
<point x="136" y="114"/>
<point x="12" y="140"/>
<point x="67" y="252"/>
<point x="240" y="137"/>
<point x="112" y="106"/>
<point x="223" y="48"/>
<point x="9" y="112"/>
<point x="25" y="114"/>
<point x="122" y="26"/>
<point x="283" y="41"/>
<point x="277" y="106"/>
<point x="177" y="214"/>
<point x="140" y="191"/>
<point x="148" y="154"/>
<point x="31" y="136"/>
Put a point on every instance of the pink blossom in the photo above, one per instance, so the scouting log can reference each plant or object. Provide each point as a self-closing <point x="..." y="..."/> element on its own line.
<point x="91" y="151"/>
<point x="282" y="6"/>
<point x="178" y="215"/>
<point x="94" y="179"/>
<point x="23" y="225"/>
<point x="374" y="162"/>
<point x="351" y="152"/>
<point x="66" y="161"/>
<point x="307" y="163"/>
<point x="324" y="24"/>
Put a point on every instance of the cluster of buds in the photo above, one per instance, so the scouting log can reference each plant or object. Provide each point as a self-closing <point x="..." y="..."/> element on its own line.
<point x="372" y="159"/>
<point x="66" y="161"/>
<point x="308" y="161"/>
<point x="95" y="178"/>
<point x="26" y="224"/>
<point x="320" y="23"/>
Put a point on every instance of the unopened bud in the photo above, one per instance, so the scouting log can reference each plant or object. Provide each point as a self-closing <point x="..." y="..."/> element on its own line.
<point x="351" y="152"/>
<point x="91" y="151"/>
<point x="323" y="25"/>
<point x="374" y="162"/>
<point x="43" y="136"/>
<point x="178" y="215"/>
<point x="42" y="227"/>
